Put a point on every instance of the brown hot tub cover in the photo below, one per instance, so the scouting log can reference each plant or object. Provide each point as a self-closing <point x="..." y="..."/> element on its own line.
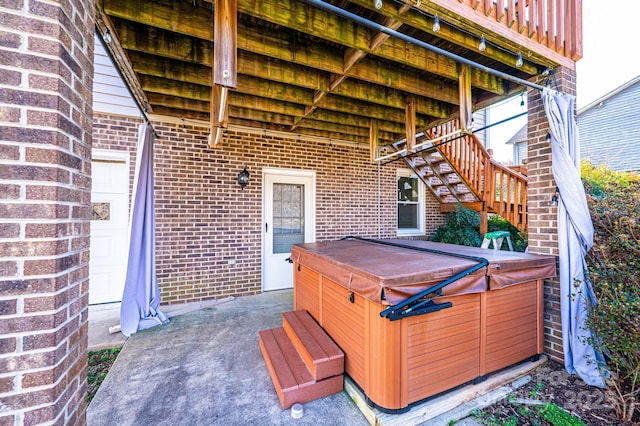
<point x="387" y="274"/>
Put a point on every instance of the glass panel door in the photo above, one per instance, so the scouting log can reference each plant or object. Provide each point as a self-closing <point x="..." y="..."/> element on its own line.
<point x="288" y="216"/>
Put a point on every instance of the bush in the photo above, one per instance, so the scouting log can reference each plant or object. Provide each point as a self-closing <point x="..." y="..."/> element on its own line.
<point x="614" y="266"/>
<point x="461" y="227"/>
<point x="518" y="238"/>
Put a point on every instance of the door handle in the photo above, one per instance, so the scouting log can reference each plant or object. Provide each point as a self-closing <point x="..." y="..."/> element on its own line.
<point x="288" y="259"/>
<point x="266" y="227"/>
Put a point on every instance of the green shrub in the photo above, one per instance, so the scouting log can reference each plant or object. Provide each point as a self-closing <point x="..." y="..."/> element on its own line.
<point x="461" y="227"/>
<point x="518" y="238"/>
<point x="614" y="266"/>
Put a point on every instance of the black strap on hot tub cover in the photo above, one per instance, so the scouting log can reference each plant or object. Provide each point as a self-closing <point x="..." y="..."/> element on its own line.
<point x="420" y="303"/>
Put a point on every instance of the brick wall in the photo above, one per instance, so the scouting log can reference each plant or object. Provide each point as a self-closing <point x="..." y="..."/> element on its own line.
<point x="46" y="71"/>
<point x="543" y="223"/>
<point x="203" y="219"/>
<point x="117" y="133"/>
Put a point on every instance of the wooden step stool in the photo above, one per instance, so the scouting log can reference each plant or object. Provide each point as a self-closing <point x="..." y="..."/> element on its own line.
<point x="303" y="361"/>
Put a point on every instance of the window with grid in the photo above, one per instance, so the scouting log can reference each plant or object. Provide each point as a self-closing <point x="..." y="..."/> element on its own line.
<point x="411" y="210"/>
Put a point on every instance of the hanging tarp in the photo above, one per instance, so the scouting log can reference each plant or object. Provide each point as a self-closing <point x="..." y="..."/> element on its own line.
<point x="575" y="239"/>
<point x="141" y="297"/>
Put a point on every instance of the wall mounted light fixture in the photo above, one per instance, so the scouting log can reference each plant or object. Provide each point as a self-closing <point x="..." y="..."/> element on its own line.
<point x="554" y="197"/>
<point x="243" y="178"/>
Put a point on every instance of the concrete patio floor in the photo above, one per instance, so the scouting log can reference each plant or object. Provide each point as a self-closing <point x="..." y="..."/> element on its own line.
<point x="205" y="368"/>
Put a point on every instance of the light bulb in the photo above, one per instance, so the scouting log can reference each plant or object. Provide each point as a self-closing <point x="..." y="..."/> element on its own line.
<point x="519" y="61"/>
<point x="436" y="24"/>
<point x="107" y="37"/>
<point x="378" y="4"/>
<point x="483" y="44"/>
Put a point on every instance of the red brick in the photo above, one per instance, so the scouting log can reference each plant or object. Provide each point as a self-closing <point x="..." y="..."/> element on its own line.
<point x="7" y="345"/>
<point x="33" y="248"/>
<point x="8" y="268"/>
<point x="23" y="324"/>
<point x="6" y="385"/>
<point x="8" y="307"/>
<point x="51" y="230"/>
<point x="50" y="266"/>
<point x="41" y="378"/>
<point x="7" y="420"/>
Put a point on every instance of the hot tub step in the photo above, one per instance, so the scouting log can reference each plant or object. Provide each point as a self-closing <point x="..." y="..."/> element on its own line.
<point x="321" y="355"/>
<point x="291" y="378"/>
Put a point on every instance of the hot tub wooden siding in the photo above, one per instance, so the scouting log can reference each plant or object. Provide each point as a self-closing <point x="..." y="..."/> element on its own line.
<point x="397" y="363"/>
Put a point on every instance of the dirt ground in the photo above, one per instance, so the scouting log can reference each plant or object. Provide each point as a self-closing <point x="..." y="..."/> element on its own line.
<point x="551" y="383"/>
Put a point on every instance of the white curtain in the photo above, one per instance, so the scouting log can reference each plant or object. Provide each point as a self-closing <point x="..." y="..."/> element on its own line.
<point x="575" y="239"/>
<point x="141" y="297"/>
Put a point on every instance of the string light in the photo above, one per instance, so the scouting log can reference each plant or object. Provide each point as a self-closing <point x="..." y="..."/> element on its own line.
<point x="107" y="37"/>
<point x="378" y="4"/>
<point x="483" y="44"/>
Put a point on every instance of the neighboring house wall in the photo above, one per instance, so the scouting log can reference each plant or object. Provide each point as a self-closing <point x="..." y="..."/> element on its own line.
<point x="479" y="122"/>
<point x="204" y="219"/>
<point x="609" y="130"/>
<point x="519" y="152"/>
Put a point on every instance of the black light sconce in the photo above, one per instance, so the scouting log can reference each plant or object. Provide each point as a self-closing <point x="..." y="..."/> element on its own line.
<point x="554" y="197"/>
<point x="243" y="178"/>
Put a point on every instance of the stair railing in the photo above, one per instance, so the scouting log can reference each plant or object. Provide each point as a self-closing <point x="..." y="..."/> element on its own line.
<point x="501" y="189"/>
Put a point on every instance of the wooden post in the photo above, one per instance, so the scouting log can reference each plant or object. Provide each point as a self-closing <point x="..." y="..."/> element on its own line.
<point x="410" y="117"/>
<point x="373" y="139"/>
<point x="464" y="84"/>
<point x="484" y="222"/>
<point x="225" y="65"/>
<point x="225" y="46"/>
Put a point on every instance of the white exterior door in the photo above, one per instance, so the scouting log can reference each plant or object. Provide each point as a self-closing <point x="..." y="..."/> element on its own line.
<point x="289" y="218"/>
<point x="109" y="230"/>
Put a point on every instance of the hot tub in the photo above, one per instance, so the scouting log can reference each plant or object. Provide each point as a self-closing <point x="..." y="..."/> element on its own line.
<point x="487" y="315"/>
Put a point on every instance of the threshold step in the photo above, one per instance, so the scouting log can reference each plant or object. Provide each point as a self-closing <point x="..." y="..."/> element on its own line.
<point x="321" y="355"/>
<point x="291" y="378"/>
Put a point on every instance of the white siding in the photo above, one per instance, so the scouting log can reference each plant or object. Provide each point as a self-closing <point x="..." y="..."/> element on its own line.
<point x="110" y="95"/>
<point x="519" y="152"/>
<point x="610" y="131"/>
<point x="480" y="121"/>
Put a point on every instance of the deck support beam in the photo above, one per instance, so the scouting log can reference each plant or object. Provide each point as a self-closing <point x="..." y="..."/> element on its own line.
<point x="225" y="65"/>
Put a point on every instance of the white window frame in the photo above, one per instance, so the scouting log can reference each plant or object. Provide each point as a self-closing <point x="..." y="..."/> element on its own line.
<point x="420" y="230"/>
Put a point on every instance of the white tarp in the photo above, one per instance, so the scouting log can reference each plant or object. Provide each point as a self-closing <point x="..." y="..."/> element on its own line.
<point x="575" y="239"/>
<point x="141" y="296"/>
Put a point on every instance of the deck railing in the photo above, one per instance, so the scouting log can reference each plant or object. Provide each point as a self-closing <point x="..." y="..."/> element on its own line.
<point x="554" y="24"/>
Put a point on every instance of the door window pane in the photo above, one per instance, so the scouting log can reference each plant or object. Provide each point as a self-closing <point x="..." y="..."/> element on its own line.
<point x="288" y="216"/>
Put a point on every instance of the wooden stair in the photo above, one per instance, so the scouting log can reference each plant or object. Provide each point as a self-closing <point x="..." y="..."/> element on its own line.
<point x="303" y="361"/>
<point x="458" y="169"/>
